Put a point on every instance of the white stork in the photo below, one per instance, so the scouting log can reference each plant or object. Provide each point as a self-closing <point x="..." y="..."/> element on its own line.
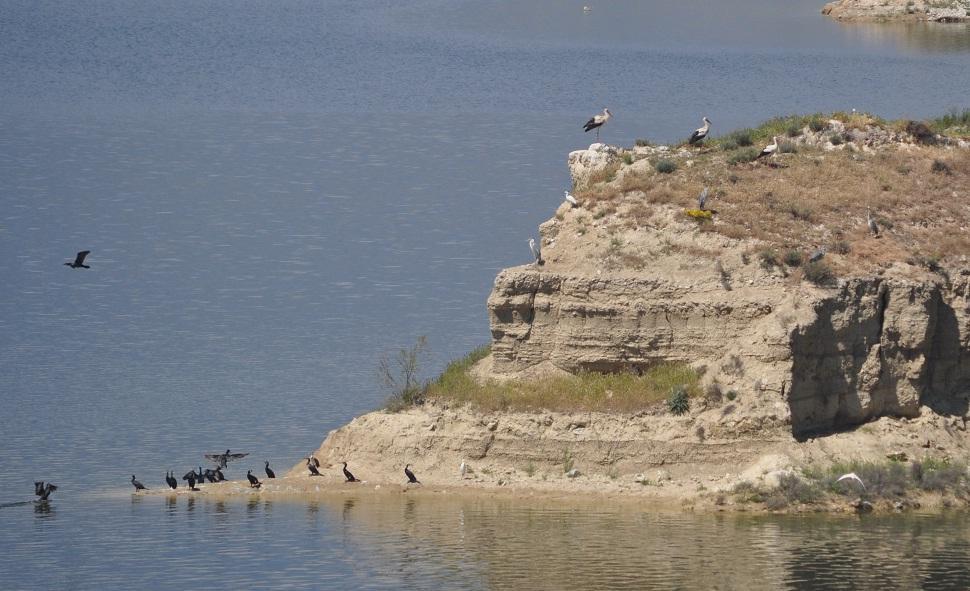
<point x="536" y="252"/>
<point x="770" y="148"/>
<point x="700" y="133"/>
<point x="597" y="121"/>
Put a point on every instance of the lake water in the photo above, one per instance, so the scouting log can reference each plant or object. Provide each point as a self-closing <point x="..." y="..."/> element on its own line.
<point x="275" y="193"/>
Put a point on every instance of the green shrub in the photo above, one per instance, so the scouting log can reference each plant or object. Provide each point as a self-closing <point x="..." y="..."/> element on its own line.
<point x="678" y="403"/>
<point x="731" y="395"/>
<point x="642" y="143"/>
<point x="841" y="247"/>
<point x="940" y="167"/>
<point x="787" y="147"/>
<point x="627" y="158"/>
<point x="836" y="139"/>
<point x="400" y="376"/>
<point x="742" y="137"/>
<point x="817" y="124"/>
<point x="818" y="273"/>
<point x="665" y="166"/>
<point x="769" y="259"/>
<point x="794" y="130"/>
<point x="743" y="155"/>
<point x="728" y="144"/>
<point x="792" y="257"/>
<point x="796" y="490"/>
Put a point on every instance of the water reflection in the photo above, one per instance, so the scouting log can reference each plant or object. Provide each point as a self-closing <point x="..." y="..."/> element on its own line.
<point x="921" y="37"/>
<point x="43" y="509"/>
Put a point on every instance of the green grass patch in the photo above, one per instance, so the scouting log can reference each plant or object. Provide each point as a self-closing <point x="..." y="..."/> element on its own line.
<point x="585" y="391"/>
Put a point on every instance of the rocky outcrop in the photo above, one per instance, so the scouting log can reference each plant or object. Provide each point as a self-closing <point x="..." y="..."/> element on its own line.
<point x="926" y="10"/>
<point x="835" y="357"/>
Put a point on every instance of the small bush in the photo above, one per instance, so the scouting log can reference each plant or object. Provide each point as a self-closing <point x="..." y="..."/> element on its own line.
<point x="713" y="394"/>
<point x="627" y="158"/>
<point x="642" y="143"/>
<point x="792" y="257"/>
<point x="796" y="490"/>
<point x="400" y="376"/>
<point x="836" y="139"/>
<point x="530" y="469"/>
<point x="940" y="167"/>
<point x="728" y="144"/>
<point x="731" y="395"/>
<point x="743" y="155"/>
<point x="742" y="137"/>
<point x="566" y="461"/>
<point x="787" y="148"/>
<point x="665" y="166"/>
<point x="794" y="130"/>
<point x="678" y="403"/>
<point x="819" y="273"/>
<point x="800" y="212"/>
<point x="769" y="259"/>
<point x="841" y="247"/>
<point x="921" y="132"/>
<point x="817" y="124"/>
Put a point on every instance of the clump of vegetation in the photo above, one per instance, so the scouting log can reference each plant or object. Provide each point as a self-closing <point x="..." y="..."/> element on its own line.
<point x="742" y="138"/>
<point x="678" y="402"/>
<point x="800" y="211"/>
<point x="792" y="257"/>
<point x="836" y="139"/>
<point x="769" y="259"/>
<point x="817" y="124"/>
<point x="731" y="395"/>
<point x="793" y="130"/>
<point x="400" y="375"/>
<point x="787" y="147"/>
<point x="955" y="122"/>
<point x="921" y="132"/>
<point x="940" y="167"/>
<point x="665" y="166"/>
<point x="627" y="158"/>
<point x="743" y="155"/>
<point x="566" y="461"/>
<point x="584" y="391"/>
<point x="841" y="247"/>
<point x="819" y="273"/>
<point x="642" y="143"/>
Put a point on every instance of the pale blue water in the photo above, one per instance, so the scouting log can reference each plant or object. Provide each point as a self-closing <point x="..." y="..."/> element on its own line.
<point x="275" y="193"/>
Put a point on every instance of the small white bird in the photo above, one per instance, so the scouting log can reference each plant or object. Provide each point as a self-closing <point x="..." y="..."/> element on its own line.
<point x="873" y="227"/>
<point x="702" y="199"/>
<point x="572" y="200"/>
<point x="700" y="133"/>
<point x="462" y="469"/>
<point x="536" y="252"/>
<point x="770" y="148"/>
<point x="852" y="476"/>
<point x="586" y="9"/>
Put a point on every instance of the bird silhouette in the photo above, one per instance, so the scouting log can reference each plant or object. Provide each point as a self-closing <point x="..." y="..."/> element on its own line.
<point x="136" y="484"/>
<point x="170" y="479"/>
<point x="79" y="260"/>
<point x="348" y="475"/>
<point x="46" y="492"/>
<point x="312" y="464"/>
<point x="253" y="481"/>
<point x="39" y="487"/>
<point x="412" y="479"/>
<point x="190" y="478"/>
<point x="269" y="472"/>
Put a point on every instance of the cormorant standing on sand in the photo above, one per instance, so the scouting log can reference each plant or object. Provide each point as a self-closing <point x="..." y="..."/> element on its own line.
<point x="253" y="481"/>
<point x="312" y="466"/>
<point x="411" y="477"/>
<point x="136" y="484"/>
<point x="170" y="480"/>
<point x="269" y="472"/>
<point x="348" y="475"/>
<point x="190" y="478"/>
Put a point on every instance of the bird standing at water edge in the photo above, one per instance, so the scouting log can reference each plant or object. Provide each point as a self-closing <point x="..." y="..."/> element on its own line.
<point x="138" y="486"/>
<point x="462" y="469"/>
<point x="170" y="480"/>
<point x="350" y="477"/>
<point x="269" y="472"/>
<point x="412" y="479"/>
<point x="79" y="260"/>
<point x="253" y="481"/>
<point x="190" y="478"/>
<point x="597" y="121"/>
<point x="570" y="199"/>
<point x="536" y="252"/>
<point x="700" y="133"/>
<point x="311" y="464"/>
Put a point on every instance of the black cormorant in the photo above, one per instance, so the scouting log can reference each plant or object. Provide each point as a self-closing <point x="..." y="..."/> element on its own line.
<point x="79" y="260"/>
<point x="170" y="479"/>
<point x="311" y="464"/>
<point x="350" y="477"/>
<point x="411" y="477"/>
<point x="136" y="484"/>
<point x="253" y="481"/>
<point x="269" y="473"/>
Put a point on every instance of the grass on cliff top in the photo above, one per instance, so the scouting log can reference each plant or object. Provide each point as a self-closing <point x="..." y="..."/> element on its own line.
<point x="585" y="391"/>
<point x="812" y="197"/>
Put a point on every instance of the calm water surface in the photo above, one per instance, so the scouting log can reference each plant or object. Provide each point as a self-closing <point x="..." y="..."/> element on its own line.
<point x="275" y="193"/>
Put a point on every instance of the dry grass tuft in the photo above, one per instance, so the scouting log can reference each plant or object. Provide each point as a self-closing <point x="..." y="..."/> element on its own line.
<point x="586" y="391"/>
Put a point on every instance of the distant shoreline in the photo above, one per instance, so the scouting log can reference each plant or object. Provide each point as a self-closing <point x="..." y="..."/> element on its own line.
<point x="951" y="11"/>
